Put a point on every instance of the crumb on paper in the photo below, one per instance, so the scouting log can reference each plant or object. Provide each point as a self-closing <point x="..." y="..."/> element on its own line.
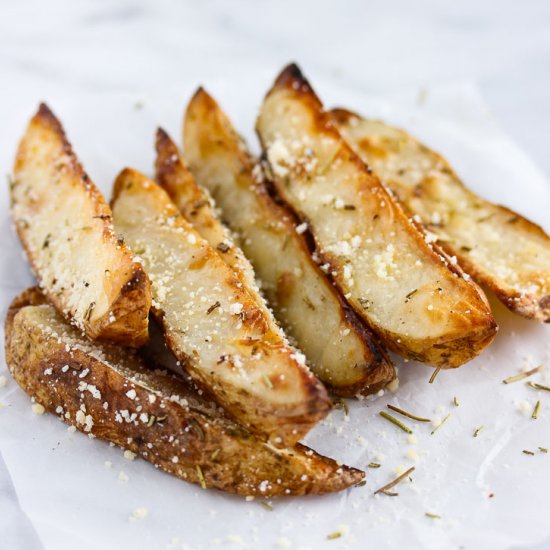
<point x="122" y="476"/>
<point x="37" y="408"/>
<point x="3" y="381"/>
<point x="129" y="455"/>
<point x="138" y="514"/>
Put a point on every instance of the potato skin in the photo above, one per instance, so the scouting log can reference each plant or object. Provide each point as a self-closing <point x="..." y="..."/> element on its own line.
<point x="449" y="321"/>
<point x="192" y="436"/>
<point x="65" y="227"/>
<point x="498" y="247"/>
<point x="348" y="358"/>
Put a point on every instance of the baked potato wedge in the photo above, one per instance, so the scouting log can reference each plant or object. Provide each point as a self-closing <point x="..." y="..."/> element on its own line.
<point x="65" y="227"/>
<point x="419" y="304"/>
<point x="153" y="413"/>
<point x="499" y="248"/>
<point x="347" y="358"/>
<point x="196" y="205"/>
<point x="214" y="326"/>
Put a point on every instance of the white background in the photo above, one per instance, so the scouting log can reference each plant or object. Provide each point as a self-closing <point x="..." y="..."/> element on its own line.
<point x="94" y="60"/>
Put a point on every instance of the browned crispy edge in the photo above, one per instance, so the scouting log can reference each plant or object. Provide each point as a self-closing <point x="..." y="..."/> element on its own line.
<point x="514" y="301"/>
<point x="444" y="353"/>
<point x="188" y="442"/>
<point x="131" y="306"/>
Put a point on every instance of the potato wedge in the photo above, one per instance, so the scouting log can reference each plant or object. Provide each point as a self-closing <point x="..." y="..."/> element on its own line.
<point x="396" y="280"/>
<point x="499" y="248"/>
<point x="213" y="325"/>
<point x="66" y="230"/>
<point x="155" y="414"/>
<point x="197" y="207"/>
<point x="347" y="357"/>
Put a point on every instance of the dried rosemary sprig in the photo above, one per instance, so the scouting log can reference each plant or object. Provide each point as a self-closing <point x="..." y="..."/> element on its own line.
<point x="394" y="420"/>
<point x="478" y="430"/>
<point x="432" y="377"/>
<point x="535" y="414"/>
<point x="522" y="375"/>
<point x="538" y="386"/>
<point x="442" y="423"/>
<point x="432" y="515"/>
<point x="407" y="414"/>
<point x="200" y="475"/>
<point x="266" y="505"/>
<point x="373" y="465"/>
<point x="526" y="452"/>
<point x="385" y="489"/>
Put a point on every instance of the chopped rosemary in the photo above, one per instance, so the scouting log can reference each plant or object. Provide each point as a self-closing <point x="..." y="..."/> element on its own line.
<point x="155" y="420"/>
<point x="215" y="454"/>
<point x="538" y="386"/>
<point x="362" y="483"/>
<point x="394" y="420"/>
<point x="535" y="414"/>
<point x="442" y="423"/>
<point x="543" y="449"/>
<point x="407" y="414"/>
<point x="266" y="505"/>
<point x="267" y="381"/>
<point x="223" y="247"/>
<point x="333" y="536"/>
<point x="478" y="430"/>
<point x="526" y="452"/>
<point x="341" y="404"/>
<point x="455" y="401"/>
<point x="411" y="294"/>
<point x="374" y="465"/>
<point x="522" y="375"/>
<point x="432" y="515"/>
<point x="385" y="489"/>
<point x="200" y="475"/>
<point x="435" y="373"/>
<point x="212" y="307"/>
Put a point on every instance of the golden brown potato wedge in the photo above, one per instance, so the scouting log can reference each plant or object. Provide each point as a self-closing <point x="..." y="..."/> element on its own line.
<point x="66" y="230"/>
<point x="213" y="325"/>
<point x="153" y="413"/>
<point x="419" y="304"/>
<point x="197" y="207"/>
<point x="346" y="357"/>
<point x="499" y="248"/>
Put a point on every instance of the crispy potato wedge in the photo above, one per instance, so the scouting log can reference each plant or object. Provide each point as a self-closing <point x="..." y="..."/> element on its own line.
<point x="153" y="413"/>
<point x="347" y="357"/>
<point x="396" y="280"/>
<point x="212" y="323"/>
<point x="66" y="230"/>
<point x="197" y="207"/>
<point x="499" y="248"/>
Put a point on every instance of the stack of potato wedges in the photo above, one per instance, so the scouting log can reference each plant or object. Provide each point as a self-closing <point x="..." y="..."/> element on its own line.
<point x="203" y="318"/>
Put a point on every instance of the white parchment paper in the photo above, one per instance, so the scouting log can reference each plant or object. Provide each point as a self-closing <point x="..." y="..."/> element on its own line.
<point x="61" y="490"/>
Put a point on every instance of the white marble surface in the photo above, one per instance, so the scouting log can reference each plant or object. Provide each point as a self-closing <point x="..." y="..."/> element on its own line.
<point x="67" y="49"/>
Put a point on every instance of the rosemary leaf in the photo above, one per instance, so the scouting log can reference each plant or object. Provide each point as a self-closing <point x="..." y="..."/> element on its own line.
<point x="341" y="404"/>
<point x="432" y="515"/>
<point x="432" y="377"/>
<point x="543" y="449"/>
<point x="407" y="414"/>
<point x="535" y="414"/>
<point x="442" y="423"/>
<point x="478" y="430"/>
<point x="455" y="401"/>
<point x="266" y="505"/>
<point x="267" y="381"/>
<point x="538" y="386"/>
<point x="333" y="536"/>
<point x="526" y="452"/>
<point x="200" y="475"/>
<point x="385" y="489"/>
<point x="374" y="465"/>
<point x="522" y="375"/>
<point x="394" y="420"/>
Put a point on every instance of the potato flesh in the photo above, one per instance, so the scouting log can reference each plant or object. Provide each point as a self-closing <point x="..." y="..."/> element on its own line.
<point x="378" y="258"/>
<point x="302" y="297"/>
<point x="497" y="246"/>
<point x="212" y="323"/>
